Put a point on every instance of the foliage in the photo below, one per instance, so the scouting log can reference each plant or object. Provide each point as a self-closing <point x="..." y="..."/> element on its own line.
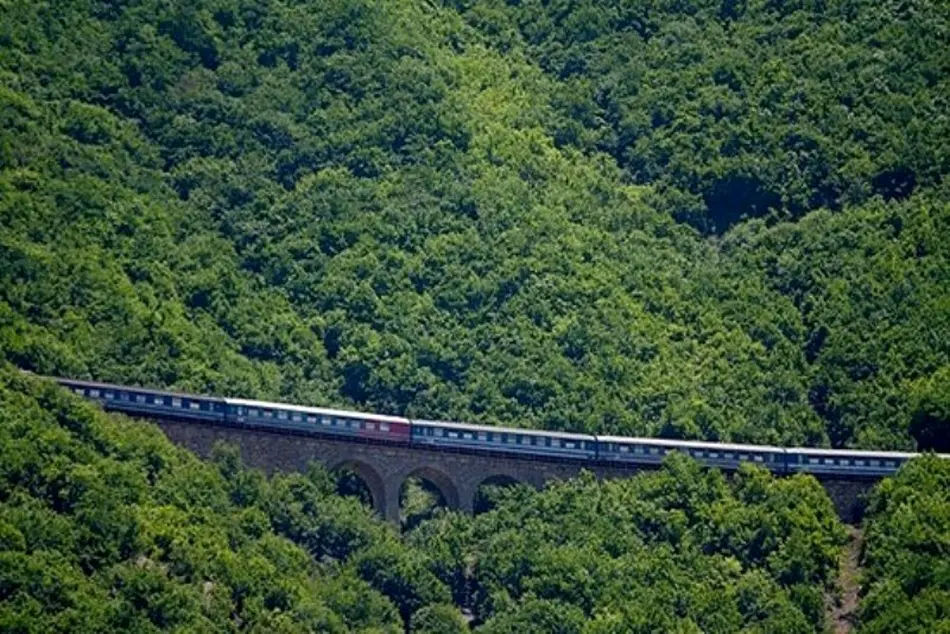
<point x="907" y="551"/>
<point x="108" y="527"/>
<point x="682" y="549"/>
<point x="736" y="108"/>
<point x="428" y="210"/>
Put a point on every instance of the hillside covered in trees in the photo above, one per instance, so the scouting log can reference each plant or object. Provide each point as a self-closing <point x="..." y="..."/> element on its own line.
<point x="707" y="219"/>
<point x="105" y="526"/>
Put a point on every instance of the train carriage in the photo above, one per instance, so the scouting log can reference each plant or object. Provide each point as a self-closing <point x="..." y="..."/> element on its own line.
<point x="317" y="420"/>
<point x="530" y="442"/>
<point x="145" y="401"/>
<point x="722" y="455"/>
<point x="873" y="464"/>
<point x="504" y="439"/>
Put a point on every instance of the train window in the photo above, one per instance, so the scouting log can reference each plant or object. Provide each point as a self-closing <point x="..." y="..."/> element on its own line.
<point x="267" y="413"/>
<point x="108" y="394"/>
<point x="281" y="414"/>
<point x="757" y="458"/>
<point x="468" y="435"/>
<point x="624" y="449"/>
<point x="829" y="460"/>
<point x="253" y="412"/>
<point x="140" y="398"/>
<point x="569" y="444"/>
<point x="176" y="402"/>
<point x="859" y="463"/>
<point x="384" y="427"/>
<point x="94" y="393"/>
<point x="296" y="417"/>
<point x="728" y="456"/>
<point x="875" y="463"/>
<point x="482" y="435"/>
<point x="194" y="405"/>
<point x="713" y="454"/>
<point x="814" y="461"/>
<point x="555" y="442"/>
<point x="453" y="434"/>
<point x="743" y="456"/>
<point x="325" y="421"/>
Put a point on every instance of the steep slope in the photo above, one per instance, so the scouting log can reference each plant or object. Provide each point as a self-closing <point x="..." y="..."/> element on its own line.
<point x="369" y="204"/>
<point x="906" y="583"/>
<point x="105" y="526"/>
<point x="743" y="108"/>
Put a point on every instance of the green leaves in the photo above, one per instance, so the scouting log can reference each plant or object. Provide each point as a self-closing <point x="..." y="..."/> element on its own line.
<point x="106" y="526"/>
<point x="679" y="549"/>
<point x="907" y="580"/>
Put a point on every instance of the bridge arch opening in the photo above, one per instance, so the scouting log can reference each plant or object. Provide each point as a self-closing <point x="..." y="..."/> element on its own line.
<point x="358" y="479"/>
<point x="423" y="492"/>
<point x="486" y="494"/>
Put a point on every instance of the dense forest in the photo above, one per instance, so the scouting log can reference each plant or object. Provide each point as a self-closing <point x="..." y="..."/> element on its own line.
<point x="105" y="526"/>
<point x="719" y="220"/>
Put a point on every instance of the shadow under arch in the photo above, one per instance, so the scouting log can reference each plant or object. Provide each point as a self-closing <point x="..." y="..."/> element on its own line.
<point x="370" y="477"/>
<point x="439" y="480"/>
<point x="483" y="501"/>
<point x="441" y="488"/>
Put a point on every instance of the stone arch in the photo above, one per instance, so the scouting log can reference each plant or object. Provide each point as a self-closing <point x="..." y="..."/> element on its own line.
<point x="372" y="480"/>
<point x="499" y="479"/>
<point x="438" y="481"/>
<point x="441" y="481"/>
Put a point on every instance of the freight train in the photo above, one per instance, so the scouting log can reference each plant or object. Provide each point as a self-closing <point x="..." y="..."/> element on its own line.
<point x="464" y="437"/>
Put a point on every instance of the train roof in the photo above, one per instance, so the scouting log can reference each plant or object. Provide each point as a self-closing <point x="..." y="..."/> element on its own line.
<point x="319" y="411"/>
<point x="504" y="430"/>
<point x="126" y="388"/>
<point x="856" y="453"/>
<point x="664" y="442"/>
<point x="690" y="444"/>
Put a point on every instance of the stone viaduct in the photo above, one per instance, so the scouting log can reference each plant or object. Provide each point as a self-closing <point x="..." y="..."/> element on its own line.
<point x="456" y="474"/>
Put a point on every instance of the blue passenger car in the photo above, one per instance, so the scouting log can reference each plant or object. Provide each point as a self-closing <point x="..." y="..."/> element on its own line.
<point x="722" y="455"/>
<point x="521" y="441"/>
<point x="841" y="461"/>
<point x="134" y="400"/>
<point x="317" y="420"/>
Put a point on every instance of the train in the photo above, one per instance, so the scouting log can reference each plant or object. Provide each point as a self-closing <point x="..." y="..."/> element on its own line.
<point x="531" y="443"/>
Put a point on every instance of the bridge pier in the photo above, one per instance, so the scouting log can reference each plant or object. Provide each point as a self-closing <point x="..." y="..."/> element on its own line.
<point x="849" y="497"/>
<point x="390" y="505"/>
